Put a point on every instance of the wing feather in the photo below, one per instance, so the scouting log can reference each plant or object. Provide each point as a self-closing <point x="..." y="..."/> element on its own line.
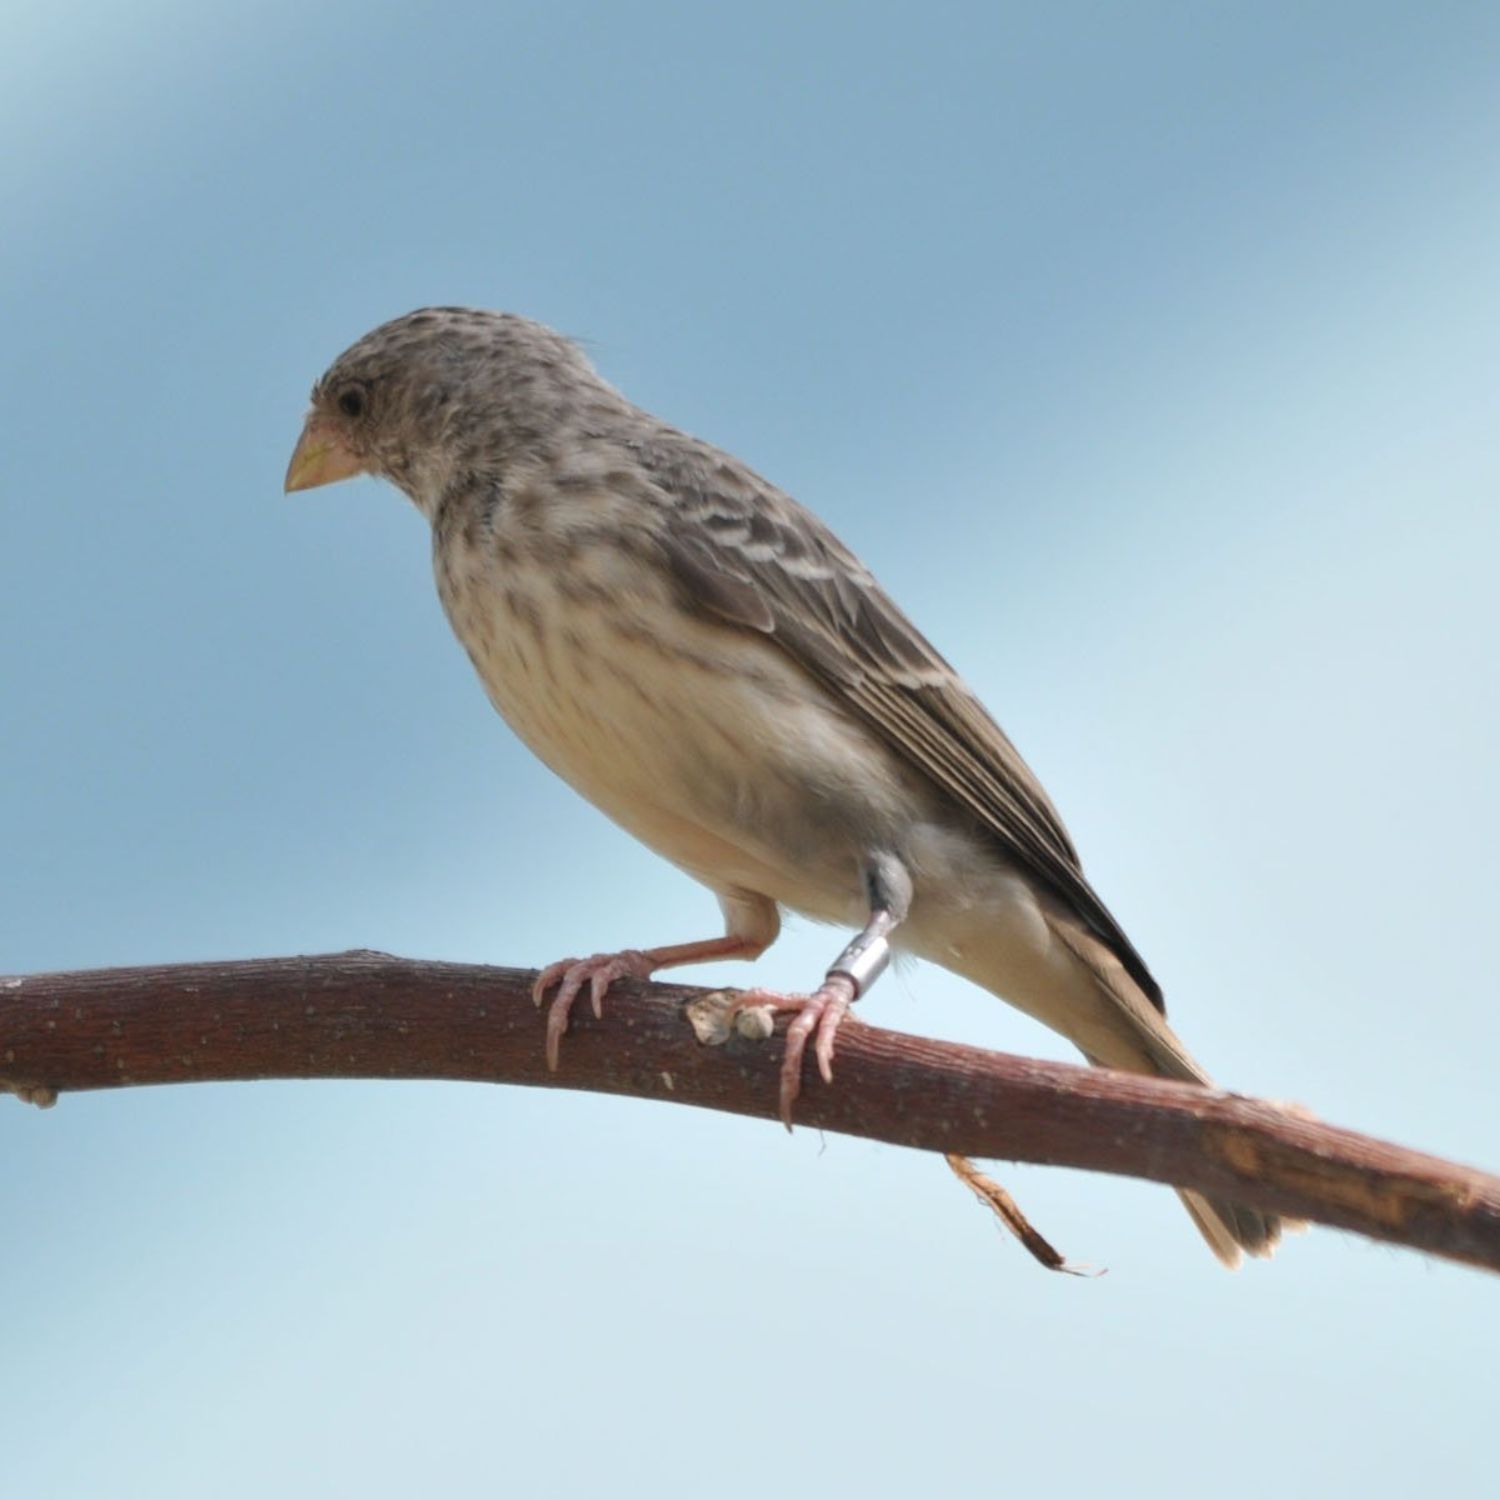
<point x="748" y="554"/>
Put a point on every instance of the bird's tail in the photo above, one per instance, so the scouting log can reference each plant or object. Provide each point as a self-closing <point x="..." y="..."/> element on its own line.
<point x="1231" y="1229"/>
<point x="1122" y="1029"/>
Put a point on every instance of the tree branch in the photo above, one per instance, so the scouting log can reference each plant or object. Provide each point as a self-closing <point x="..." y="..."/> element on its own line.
<point x="369" y="1015"/>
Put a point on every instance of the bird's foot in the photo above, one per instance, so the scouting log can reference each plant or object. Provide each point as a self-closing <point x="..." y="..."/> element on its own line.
<point x="817" y="1017"/>
<point x="571" y="974"/>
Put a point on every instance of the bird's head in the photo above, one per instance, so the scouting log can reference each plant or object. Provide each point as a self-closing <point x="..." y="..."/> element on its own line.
<point x="440" y="394"/>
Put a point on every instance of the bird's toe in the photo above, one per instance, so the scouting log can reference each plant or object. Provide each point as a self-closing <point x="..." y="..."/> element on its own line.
<point x="816" y="1018"/>
<point x="570" y="975"/>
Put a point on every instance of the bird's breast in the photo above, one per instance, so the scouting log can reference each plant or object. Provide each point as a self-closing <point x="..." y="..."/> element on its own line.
<point x="705" y="741"/>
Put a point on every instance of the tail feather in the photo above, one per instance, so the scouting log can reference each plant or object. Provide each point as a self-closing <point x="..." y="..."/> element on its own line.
<point x="1128" y="1032"/>
<point x="1232" y="1230"/>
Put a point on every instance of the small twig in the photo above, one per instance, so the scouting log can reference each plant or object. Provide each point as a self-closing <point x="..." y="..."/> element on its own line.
<point x="368" y="1015"/>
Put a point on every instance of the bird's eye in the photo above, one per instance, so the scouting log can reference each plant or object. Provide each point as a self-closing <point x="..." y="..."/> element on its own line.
<point x="352" y="402"/>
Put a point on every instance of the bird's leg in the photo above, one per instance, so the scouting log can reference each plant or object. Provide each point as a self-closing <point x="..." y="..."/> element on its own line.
<point x="851" y="975"/>
<point x="753" y="923"/>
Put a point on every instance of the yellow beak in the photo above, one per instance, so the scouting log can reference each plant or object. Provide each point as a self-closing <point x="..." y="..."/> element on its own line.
<point x="320" y="457"/>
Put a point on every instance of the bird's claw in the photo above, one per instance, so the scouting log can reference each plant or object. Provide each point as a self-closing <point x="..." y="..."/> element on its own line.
<point x="570" y="975"/>
<point x="817" y="1016"/>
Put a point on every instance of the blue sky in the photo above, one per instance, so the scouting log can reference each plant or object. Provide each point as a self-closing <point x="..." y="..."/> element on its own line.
<point x="1146" y="352"/>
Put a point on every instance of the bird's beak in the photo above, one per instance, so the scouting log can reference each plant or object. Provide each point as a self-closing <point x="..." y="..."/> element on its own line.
<point x="321" y="457"/>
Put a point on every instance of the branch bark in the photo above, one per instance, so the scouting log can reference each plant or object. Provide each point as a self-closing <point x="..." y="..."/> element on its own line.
<point x="370" y="1015"/>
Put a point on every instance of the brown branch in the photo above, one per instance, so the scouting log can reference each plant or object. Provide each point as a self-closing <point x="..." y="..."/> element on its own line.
<point x="368" y="1015"/>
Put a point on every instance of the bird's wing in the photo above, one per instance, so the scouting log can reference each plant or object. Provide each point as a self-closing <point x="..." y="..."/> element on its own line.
<point x="750" y="555"/>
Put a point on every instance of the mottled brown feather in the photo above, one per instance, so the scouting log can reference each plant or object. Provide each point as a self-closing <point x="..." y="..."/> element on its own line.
<point x="747" y="553"/>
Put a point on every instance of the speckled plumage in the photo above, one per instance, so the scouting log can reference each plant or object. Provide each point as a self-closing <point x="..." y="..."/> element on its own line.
<point x="701" y="658"/>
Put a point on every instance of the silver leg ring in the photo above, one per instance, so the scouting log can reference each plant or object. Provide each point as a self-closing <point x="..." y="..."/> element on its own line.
<point x="863" y="961"/>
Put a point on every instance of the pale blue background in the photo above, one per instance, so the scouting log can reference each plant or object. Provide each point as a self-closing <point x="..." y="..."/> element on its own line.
<point x="1147" y="351"/>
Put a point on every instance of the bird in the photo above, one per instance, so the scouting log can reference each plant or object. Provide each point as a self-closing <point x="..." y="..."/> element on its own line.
<point x="702" y="658"/>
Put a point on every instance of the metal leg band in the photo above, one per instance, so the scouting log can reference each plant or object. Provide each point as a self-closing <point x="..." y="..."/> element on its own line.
<point x="863" y="961"/>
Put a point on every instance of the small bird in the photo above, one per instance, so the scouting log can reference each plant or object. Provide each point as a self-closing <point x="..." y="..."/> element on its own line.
<point x="708" y="664"/>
